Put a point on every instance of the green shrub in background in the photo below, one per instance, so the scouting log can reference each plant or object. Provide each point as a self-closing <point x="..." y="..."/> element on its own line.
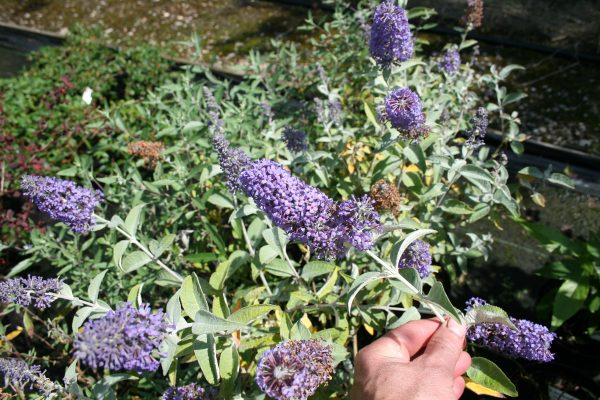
<point x="170" y="233"/>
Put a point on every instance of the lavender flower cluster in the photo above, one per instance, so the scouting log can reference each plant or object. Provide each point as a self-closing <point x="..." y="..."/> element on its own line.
<point x="402" y="108"/>
<point x="63" y="200"/>
<point x="417" y="256"/>
<point x="391" y="40"/>
<point x="122" y="340"/>
<point x="530" y="341"/>
<point x="192" y="391"/>
<point x="450" y="61"/>
<point x="295" y="140"/>
<point x="33" y="290"/>
<point x="293" y="370"/>
<point x="232" y="161"/>
<point x="18" y="374"/>
<point x="306" y="214"/>
<point x="479" y="125"/>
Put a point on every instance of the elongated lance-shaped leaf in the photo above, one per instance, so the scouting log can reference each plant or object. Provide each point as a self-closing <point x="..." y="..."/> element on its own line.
<point x="488" y="314"/>
<point x="360" y="282"/>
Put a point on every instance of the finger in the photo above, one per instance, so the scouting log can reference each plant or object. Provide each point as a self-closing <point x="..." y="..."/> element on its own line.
<point x="463" y="364"/>
<point x="459" y="386"/>
<point x="406" y="340"/>
<point x="445" y="346"/>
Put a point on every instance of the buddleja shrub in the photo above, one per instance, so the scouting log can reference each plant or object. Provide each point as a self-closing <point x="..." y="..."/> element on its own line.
<point x="261" y="230"/>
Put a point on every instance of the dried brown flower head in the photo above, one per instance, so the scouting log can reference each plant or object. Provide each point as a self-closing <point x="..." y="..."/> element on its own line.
<point x="149" y="151"/>
<point x="474" y="13"/>
<point x="386" y="196"/>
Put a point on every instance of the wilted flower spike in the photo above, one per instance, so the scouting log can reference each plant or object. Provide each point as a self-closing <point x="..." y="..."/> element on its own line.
<point x="293" y="370"/>
<point x="122" y="340"/>
<point x="63" y="201"/>
<point x="385" y="196"/>
<point x="232" y="161"/>
<point x="295" y="140"/>
<point x="33" y="290"/>
<point x="192" y="391"/>
<point x="402" y="108"/>
<point x="450" y="61"/>
<point x="149" y="151"/>
<point x="479" y="124"/>
<point x="417" y="256"/>
<point x="391" y="40"/>
<point x="306" y="214"/>
<point x="20" y="375"/>
<point x="530" y="341"/>
<point x="474" y="13"/>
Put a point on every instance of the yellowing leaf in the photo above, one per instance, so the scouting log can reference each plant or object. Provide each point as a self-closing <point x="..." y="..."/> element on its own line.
<point x="369" y="329"/>
<point x="481" y="390"/>
<point x="14" y="333"/>
<point x="306" y="322"/>
<point x="351" y="167"/>
<point x="411" y="168"/>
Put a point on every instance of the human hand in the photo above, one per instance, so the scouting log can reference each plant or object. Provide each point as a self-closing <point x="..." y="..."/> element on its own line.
<point x="421" y="360"/>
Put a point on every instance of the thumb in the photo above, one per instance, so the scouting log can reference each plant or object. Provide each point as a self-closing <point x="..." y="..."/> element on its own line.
<point x="445" y="346"/>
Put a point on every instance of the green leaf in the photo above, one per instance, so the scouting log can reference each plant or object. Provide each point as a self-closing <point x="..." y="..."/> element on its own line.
<point x="329" y="285"/>
<point x="205" y="351"/>
<point x="489" y="375"/>
<point x="80" y="316"/>
<point x="218" y="278"/>
<point x="504" y="72"/>
<point x="300" y="332"/>
<point x="488" y="314"/>
<point x="452" y="206"/>
<point x="220" y="200"/>
<point x="360" y="282"/>
<point x="118" y="251"/>
<point x="480" y="211"/>
<point x="561" y="180"/>
<point x="133" y="219"/>
<point x="532" y="171"/>
<point x="229" y="364"/>
<point x="191" y="296"/>
<point x="20" y="267"/>
<point x="570" y="297"/>
<point x="277" y="239"/>
<point x="135" y="294"/>
<point x="316" y="268"/>
<point x="278" y="267"/>
<point x="164" y="244"/>
<point x="438" y="296"/>
<point x="415" y="155"/>
<point x="371" y="114"/>
<point x="206" y="322"/>
<point x="193" y="126"/>
<point x="248" y="314"/>
<point x="134" y="261"/>
<point x="94" y="287"/>
<point x="475" y="173"/>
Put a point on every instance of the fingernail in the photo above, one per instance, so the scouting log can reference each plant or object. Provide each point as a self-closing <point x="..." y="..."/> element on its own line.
<point x="458" y="329"/>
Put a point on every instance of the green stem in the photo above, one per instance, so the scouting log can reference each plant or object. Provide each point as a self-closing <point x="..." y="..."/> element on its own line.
<point x="143" y="248"/>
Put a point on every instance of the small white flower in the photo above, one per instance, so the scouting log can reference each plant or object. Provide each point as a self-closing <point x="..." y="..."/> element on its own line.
<point x="87" y="96"/>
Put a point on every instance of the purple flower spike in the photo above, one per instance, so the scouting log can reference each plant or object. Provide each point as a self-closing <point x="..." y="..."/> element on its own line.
<point x="402" y="108"/>
<point x="450" y="61"/>
<point x="295" y="140"/>
<point x="417" y="256"/>
<point x="192" y="391"/>
<point x="232" y="161"/>
<point x="33" y="290"/>
<point x="391" y="40"/>
<point x="63" y="201"/>
<point x="293" y="370"/>
<point x="20" y="375"/>
<point x="122" y="340"/>
<point x="306" y="214"/>
<point x="530" y="341"/>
